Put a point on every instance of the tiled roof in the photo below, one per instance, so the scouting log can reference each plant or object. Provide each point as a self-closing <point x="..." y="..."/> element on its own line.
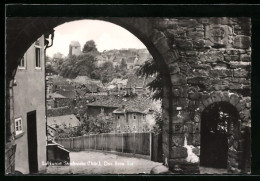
<point x="107" y="101"/>
<point x="55" y="95"/>
<point x="140" y="105"/>
<point x="69" y="120"/>
<point x="58" y="111"/>
<point x="132" y="104"/>
<point x="68" y="93"/>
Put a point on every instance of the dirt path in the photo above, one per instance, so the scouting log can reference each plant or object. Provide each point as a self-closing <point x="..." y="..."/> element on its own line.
<point x="86" y="162"/>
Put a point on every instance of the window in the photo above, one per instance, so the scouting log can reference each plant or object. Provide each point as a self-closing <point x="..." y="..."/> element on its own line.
<point x="118" y="117"/>
<point x="21" y="64"/>
<point x="134" y="116"/>
<point x="38" y="58"/>
<point x="144" y="116"/>
<point x="18" y="126"/>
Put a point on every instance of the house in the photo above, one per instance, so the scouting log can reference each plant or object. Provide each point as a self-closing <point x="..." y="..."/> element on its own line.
<point x="135" y="85"/>
<point x="29" y="110"/>
<point x="135" y="115"/>
<point x="131" y="61"/>
<point x="74" y="48"/>
<point x="103" y="105"/>
<point x="55" y="100"/>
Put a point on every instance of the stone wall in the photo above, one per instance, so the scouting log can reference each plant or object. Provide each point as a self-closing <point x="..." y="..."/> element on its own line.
<point x="207" y="57"/>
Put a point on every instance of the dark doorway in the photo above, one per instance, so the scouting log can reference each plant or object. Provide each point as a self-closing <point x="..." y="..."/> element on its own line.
<point x="215" y="130"/>
<point x="32" y="142"/>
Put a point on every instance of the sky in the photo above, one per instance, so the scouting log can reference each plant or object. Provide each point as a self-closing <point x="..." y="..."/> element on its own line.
<point x="106" y="35"/>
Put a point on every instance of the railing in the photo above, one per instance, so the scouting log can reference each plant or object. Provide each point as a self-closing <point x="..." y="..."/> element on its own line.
<point x="136" y="143"/>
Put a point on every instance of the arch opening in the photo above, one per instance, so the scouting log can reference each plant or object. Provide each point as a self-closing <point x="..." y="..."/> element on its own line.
<point x="219" y="122"/>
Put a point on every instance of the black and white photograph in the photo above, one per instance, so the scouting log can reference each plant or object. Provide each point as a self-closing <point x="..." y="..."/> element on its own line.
<point x="128" y="95"/>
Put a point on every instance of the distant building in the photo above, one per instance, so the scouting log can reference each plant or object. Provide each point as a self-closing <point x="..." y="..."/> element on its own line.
<point x="131" y="61"/>
<point x="57" y="56"/>
<point x="74" y="48"/>
<point x="63" y="122"/>
<point x="134" y="115"/>
<point x="29" y="110"/>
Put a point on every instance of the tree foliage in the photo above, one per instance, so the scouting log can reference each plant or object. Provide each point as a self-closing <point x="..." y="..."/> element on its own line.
<point x="150" y="68"/>
<point x="90" y="46"/>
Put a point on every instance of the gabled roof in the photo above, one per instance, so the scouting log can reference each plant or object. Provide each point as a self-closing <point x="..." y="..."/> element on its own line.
<point x="131" y="104"/>
<point x="56" y="95"/>
<point x="68" y="93"/>
<point x="135" y="105"/>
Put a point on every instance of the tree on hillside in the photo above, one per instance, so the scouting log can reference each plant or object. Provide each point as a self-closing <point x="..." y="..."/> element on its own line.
<point x="90" y="46"/>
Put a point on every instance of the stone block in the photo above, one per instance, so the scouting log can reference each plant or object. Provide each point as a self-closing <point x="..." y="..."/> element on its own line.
<point x="194" y="95"/>
<point x="218" y="87"/>
<point x="245" y="58"/>
<point x="178" y="79"/>
<point x="195" y="35"/>
<point x="241" y="105"/>
<point x="191" y="53"/>
<point x="196" y="128"/>
<point x="196" y="139"/>
<point x="207" y="102"/>
<point x="177" y="127"/>
<point x="188" y="127"/>
<point x="188" y="23"/>
<point x="176" y="33"/>
<point x="184" y="44"/>
<point x="241" y="73"/>
<point x="178" y="152"/>
<point x="160" y="169"/>
<point x="220" y="73"/>
<point x="238" y="65"/>
<point x="198" y="44"/>
<point x="212" y="56"/>
<point x="230" y="58"/>
<point x="218" y="34"/>
<point x="177" y="139"/>
<point x="172" y="56"/>
<point x="234" y="99"/>
<point x="235" y="86"/>
<point x="216" y="96"/>
<point x="174" y="68"/>
<point x="180" y="91"/>
<point x="241" y="41"/>
<point x="245" y="115"/>
<point x="197" y="80"/>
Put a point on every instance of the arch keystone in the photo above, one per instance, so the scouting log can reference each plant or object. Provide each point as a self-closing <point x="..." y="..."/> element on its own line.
<point x="234" y="99"/>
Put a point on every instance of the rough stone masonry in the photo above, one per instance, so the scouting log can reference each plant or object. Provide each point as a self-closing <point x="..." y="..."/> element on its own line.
<point x="209" y="61"/>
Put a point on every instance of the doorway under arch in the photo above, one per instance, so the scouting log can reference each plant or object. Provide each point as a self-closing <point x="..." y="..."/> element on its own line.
<point x="219" y="122"/>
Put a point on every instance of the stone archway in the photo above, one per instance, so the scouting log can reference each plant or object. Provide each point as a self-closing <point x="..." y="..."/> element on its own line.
<point x="22" y="32"/>
<point x="230" y="144"/>
<point x="196" y="56"/>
